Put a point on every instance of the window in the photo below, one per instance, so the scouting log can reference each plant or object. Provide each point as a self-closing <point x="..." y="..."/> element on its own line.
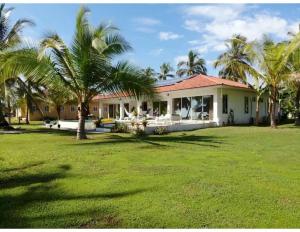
<point x="73" y="108"/>
<point x="95" y="108"/>
<point x="33" y="108"/>
<point x="225" y="104"/>
<point x="62" y="108"/>
<point x="186" y="108"/>
<point x="197" y="108"/>
<point x="156" y="108"/>
<point x="46" y="108"/>
<point x="208" y="107"/>
<point x="160" y="108"/>
<point x="163" y="107"/>
<point x="144" y="106"/>
<point x="246" y="105"/>
<point x="177" y="106"/>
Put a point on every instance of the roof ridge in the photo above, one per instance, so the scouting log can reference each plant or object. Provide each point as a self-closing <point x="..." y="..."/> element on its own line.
<point x="211" y="78"/>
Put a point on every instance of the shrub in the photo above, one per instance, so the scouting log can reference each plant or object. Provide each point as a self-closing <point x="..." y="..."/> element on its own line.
<point x="161" y="130"/>
<point x="98" y="122"/>
<point x="120" y="128"/>
<point x="139" y="132"/>
<point x="145" y="122"/>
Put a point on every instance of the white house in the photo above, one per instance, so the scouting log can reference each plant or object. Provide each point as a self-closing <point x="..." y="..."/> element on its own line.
<point x="194" y="99"/>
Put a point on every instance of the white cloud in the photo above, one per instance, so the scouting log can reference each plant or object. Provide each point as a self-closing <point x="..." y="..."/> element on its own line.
<point x="146" y="25"/>
<point x="156" y="52"/>
<point x="177" y="59"/>
<point x="145" y="29"/>
<point x="168" y="35"/>
<point x="193" y="25"/>
<point x="147" y="21"/>
<point x="215" y="12"/>
<point x="217" y="23"/>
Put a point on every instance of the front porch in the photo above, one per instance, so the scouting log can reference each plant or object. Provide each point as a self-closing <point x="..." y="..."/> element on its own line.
<point x="168" y="110"/>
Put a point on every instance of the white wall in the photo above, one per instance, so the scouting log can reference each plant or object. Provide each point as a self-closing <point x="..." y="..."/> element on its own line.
<point x="236" y="102"/>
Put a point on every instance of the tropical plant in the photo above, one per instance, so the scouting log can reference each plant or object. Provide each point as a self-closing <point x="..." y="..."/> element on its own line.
<point x="236" y="61"/>
<point x="165" y="71"/>
<point x="276" y="69"/>
<point x="9" y="40"/>
<point x="294" y="79"/>
<point x="58" y="95"/>
<point x="149" y="72"/>
<point x="193" y="65"/>
<point x="86" y="67"/>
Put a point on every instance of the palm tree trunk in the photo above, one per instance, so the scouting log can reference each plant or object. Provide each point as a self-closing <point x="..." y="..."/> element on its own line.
<point x="297" y="105"/>
<point x="273" y="108"/>
<point x="257" y="110"/>
<point x="3" y="122"/>
<point x="82" y="111"/>
<point x="9" y="111"/>
<point x="58" y="112"/>
<point x="27" y="116"/>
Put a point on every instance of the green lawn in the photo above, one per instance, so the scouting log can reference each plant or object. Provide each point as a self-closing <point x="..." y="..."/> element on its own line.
<point x="218" y="177"/>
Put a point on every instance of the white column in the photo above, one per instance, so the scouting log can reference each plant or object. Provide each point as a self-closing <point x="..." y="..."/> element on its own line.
<point x="150" y="106"/>
<point x="138" y="107"/>
<point x="121" y="109"/>
<point x="169" y="106"/>
<point x="100" y="109"/>
<point x="217" y="100"/>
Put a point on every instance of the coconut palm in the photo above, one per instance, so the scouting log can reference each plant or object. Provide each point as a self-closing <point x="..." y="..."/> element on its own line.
<point x="165" y="71"/>
<point x="236" y="61"/>
<point x="86" y="67"/>
<point x="194" y="65"/>
<point x="57" y="95"/>
<point x="9" y="39"/>
<point x="294" y="83"/>
<point x="149" y="72"/>
<point x="276" y="69"/>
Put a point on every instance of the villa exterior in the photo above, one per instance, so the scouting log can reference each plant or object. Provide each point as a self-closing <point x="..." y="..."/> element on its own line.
<point x="197" y="98"/>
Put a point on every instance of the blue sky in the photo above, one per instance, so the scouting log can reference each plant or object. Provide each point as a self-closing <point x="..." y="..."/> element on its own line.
<point x="166" y="32"/>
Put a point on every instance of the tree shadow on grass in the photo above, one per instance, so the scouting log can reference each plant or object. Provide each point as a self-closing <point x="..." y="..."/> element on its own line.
<point x="42" y="188"/>
<point x="159" y="141"/>
<point x="50" y="131"/>
<point x="23" y="167"/>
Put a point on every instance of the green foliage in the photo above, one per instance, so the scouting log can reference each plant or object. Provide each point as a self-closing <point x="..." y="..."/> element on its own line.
<point x="160" y="130"/>
<point x="120" y="127"/>
<point x="165" y="71"/>
<point x="194" y="65"/>
<point x="236" y="63"/>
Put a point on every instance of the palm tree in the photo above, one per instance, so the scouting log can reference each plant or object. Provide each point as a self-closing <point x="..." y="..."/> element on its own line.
<point x="58" y="95"/>
<point x="294" y="84"/>
<point x="149" y="72"/>
<point x="86" y="67"/>
<point x="276" y="69"/>
<point x="194" y="65"/>
<point x="236" y="62"/>
<point x="165" y="70"/>
<point x="9" y="40"/>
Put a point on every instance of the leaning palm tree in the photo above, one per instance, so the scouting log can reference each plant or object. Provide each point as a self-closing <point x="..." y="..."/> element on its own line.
<point x="9" y="40"/>
<point x="194" y="65"/>
<point x="236" y="62"/>
<point x="165" y="71"/>
<point x="86" y="67"/>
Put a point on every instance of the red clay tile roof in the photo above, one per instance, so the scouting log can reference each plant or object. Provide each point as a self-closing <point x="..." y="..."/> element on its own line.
<point x="197" y="81"/>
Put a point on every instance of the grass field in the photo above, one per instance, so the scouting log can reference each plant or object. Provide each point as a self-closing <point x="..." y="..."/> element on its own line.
<point x="220" y="177"/>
